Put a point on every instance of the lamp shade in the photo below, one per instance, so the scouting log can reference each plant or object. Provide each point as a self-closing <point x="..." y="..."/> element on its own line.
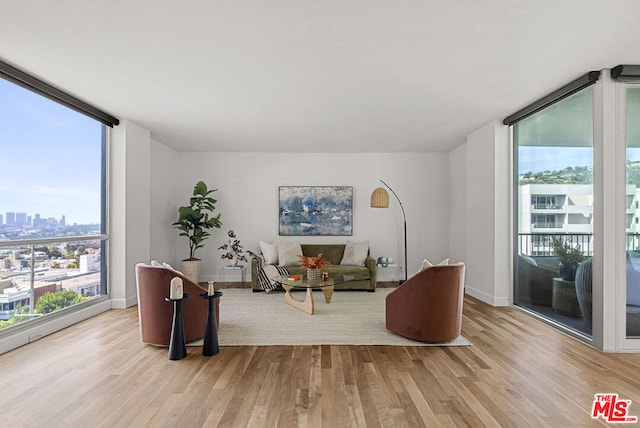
<point x="379" y="198"/>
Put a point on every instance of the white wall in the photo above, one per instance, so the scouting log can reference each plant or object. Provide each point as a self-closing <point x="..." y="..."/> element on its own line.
<point x="129" y="209"/>
<point x="486" y="238"/>
<point x="163" y="240"/>
<point x="248" y="199"/>
<point x="458" y="204"/>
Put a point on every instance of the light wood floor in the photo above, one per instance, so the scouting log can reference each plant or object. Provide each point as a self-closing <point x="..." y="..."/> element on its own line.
<point x="518" y="373"/>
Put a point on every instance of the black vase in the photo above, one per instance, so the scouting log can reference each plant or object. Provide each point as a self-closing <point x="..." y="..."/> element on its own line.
<point x="568" y="271"/>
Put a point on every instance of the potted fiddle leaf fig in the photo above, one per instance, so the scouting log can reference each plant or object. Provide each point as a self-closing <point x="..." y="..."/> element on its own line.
<point x="194" y="221"/>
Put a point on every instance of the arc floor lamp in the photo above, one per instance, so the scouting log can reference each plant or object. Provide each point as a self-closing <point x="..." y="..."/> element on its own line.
<point x="380" y="199"/>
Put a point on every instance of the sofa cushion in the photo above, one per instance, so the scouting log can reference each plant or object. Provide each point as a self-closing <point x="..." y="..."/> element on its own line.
<point x="156" y="263"/>
<point x="269" y="252"/>
<point x="364" y="276"/>
<point x="288" y="253"/>
<point x="427" y="264"/>
<point x="355" y="253"/>
<point x="331" y="252"/>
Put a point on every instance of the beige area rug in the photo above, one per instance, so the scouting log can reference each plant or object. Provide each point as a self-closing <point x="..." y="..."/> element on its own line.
<point x="352" y="318"/>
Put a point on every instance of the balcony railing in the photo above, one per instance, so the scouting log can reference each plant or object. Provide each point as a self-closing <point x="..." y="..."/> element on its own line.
<point x="547" y="225"/>
<point x="541" y="206"/>
<point x="539" y="244"/>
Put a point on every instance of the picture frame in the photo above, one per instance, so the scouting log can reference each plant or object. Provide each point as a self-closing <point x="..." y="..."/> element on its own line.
<point x="315" y="210"/>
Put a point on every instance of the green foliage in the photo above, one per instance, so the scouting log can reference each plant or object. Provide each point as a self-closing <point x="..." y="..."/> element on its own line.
<point x="633" y="173"/>
<point x="75" y="250"/>
<point x="569" y="175"/>
<point x="54" y="252"/>
<point x="575" y="175"/>
<point x="196" y="218"/>
<point x="14" y="319"/>
<point x="7" y="323"/>
<point x="567" y="253"/>
<point x="50" y="302"/>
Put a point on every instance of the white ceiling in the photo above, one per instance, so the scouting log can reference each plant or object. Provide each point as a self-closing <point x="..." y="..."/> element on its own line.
<point x="315" y="76"/>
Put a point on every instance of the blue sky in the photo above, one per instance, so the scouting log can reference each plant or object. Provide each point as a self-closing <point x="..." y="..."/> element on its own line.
<point x="537" y="158"/>
<point x="49" y="158"/>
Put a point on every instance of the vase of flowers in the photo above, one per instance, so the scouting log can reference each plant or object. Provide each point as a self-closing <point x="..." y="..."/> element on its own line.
<point x="233" y="250"/>
<point x="314" y="266"/>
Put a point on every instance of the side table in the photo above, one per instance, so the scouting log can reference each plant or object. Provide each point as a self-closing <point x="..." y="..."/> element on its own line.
<point x="211" y="346"/>
<point x="177" y="344"/>
<point x="233" y="272"/>
<point x="389" y="273"/>
<point x="564" y="299"/>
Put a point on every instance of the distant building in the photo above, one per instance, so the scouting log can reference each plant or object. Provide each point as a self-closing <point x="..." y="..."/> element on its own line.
<point x="556" y="208"/>
<point x="548" y="210"/>
<point x="14" y="295"/>
<point x="11" y="219"/>
<point x="89" y="263"/>
<point x="11" y="298"/>
<point x="21" y="219"/>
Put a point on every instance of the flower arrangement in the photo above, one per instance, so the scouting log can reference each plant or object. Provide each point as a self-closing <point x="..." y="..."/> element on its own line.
<point x="234" y="250"/>
<point x="317" y="262"/>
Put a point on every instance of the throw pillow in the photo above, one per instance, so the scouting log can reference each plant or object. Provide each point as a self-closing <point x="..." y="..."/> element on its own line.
<point x="269" y="252"/>
<point x="155" y="263"/>
<point x="168" y="266"/>
<point x="427" y="264"/>
<point x="355" y="253"/>
<point x="268" y="276"/>
<point x="288" y="253"/>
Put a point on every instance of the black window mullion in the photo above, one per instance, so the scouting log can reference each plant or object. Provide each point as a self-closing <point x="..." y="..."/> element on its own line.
<point x="40" y="87"/>
<point x="567" y="90"/>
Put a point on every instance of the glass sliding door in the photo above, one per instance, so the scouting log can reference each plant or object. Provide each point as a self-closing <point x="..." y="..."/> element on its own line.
<point x="553" y="240"/>
<point x="632" y="207"/>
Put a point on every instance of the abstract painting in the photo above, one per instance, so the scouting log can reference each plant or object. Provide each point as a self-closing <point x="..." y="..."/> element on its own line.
<point x="315" y="211"/>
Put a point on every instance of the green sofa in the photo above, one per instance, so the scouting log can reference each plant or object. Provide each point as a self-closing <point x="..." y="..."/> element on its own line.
<point x="364" y="276"/>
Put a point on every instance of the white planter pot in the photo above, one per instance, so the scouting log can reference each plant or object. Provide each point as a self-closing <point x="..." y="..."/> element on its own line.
<point x="191" y="269"/>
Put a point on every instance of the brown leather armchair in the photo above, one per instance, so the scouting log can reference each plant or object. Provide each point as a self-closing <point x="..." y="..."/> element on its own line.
<point x="428" y="306"/>
<point x="156" y="315"/>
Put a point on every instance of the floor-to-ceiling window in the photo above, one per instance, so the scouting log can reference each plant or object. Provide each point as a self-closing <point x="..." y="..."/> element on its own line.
<point x="632" y="207"/>
<point x="553" y="243"/>
<point x="52" y="207"/>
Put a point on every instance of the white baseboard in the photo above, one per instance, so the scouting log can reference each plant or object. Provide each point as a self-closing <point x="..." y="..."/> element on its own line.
<point x="41" y="329"/>
<point x="487" y="298"/>
<point x="124" y="303"/>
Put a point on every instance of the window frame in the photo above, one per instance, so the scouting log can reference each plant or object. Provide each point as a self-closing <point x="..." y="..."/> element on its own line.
<point x="60" y="318"/>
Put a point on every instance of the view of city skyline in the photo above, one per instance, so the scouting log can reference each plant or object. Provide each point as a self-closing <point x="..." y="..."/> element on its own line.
<point x="39" y="135"/>
<point x="9" y="218"/>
